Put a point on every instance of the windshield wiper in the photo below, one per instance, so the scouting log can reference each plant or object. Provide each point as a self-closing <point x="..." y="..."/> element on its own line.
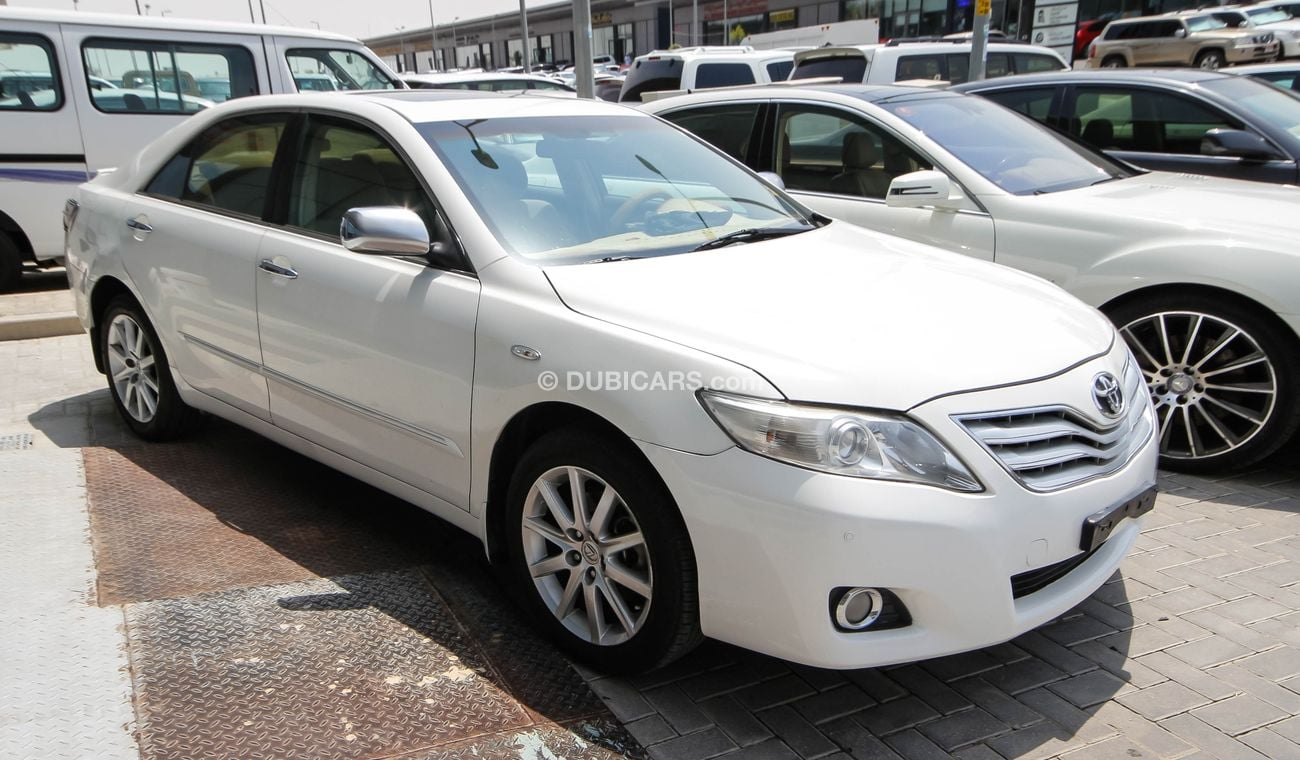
<point x="748" y="235"/>
<point x="608" y="259"/>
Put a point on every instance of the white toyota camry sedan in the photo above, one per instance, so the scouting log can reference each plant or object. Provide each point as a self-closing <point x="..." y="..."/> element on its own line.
<point x="669" y="399"/>
<point x="1201" y="274"/>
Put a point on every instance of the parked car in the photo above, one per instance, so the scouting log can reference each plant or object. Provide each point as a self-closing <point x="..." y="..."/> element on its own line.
<point x="1087" y="32"/>
<point x="1217" y="343"/>
<point x="688" y="69"/>
<point x="1284" y="75"/>
<point x="1284" y="28"/>
<point x="906" y="61"/>
<point x="603" y="348"/>
<point x="487" y="82"/>
<point x="608" y="86"/>
<point x="77" y="122"/>
<point x="1292" y="7"/>
<point x="1191" y="39"/>
<point x="1202" y="122"/>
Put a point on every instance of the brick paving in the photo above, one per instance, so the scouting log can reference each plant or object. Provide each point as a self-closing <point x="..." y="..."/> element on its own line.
<point x="1192" y="650"/>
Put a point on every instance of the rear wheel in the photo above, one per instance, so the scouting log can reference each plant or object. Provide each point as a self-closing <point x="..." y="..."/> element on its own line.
<point x="1114" y="62"/>
<point x="139" y="377"/>
<point x="11" y="264"/>
<point x="1210" y="60"/>
<point x="599" y="555"/>
<point x="1224" y="379"/>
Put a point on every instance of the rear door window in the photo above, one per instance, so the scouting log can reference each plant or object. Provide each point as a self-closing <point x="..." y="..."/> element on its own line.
<point x="723" y="75"/>
<point x="163" y="77"/>
<point x="29" y="79"/>
<point x="728" y="128"/>
<point x="227" y="168"/>
<point x="1029" y="63"/>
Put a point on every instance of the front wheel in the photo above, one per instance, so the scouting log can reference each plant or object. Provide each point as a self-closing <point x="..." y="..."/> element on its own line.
<point x="1210" y="60"/>
<point x="1222" y="375"/>
<point x="139" y="378"/>
<point x="599" y="555"/>
<point x="1114" y="62"/>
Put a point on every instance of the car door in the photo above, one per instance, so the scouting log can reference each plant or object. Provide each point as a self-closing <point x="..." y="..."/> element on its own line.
<point x="841" y="162"/>
<point x="192" y="238"/>
<point x="370" y="356"/>
<point x="1162" y="129"/>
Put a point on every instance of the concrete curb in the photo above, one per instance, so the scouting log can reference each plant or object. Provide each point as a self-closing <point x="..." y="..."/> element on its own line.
<point x="27" y="326"/>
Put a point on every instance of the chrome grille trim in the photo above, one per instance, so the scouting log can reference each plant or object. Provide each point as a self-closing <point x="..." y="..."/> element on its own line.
<point x="1053" y="447"/>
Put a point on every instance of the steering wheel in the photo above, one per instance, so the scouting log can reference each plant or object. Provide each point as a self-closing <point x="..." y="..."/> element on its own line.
<point x="624" y="213"/>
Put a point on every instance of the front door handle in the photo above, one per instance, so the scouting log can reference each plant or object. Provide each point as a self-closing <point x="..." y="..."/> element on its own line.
<point x="139" y="226"/>
<point x="271" y="267"/>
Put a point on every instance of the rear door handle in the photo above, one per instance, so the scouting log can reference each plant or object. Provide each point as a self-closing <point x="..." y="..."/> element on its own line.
<point x="271" y="267"/>
<point x="136" y="224"/>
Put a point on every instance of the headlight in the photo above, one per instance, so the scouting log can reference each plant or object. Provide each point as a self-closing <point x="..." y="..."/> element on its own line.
<point x="839" y="441"/>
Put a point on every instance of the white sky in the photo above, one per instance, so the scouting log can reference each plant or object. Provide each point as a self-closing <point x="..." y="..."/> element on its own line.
<point x="357" y="18"/>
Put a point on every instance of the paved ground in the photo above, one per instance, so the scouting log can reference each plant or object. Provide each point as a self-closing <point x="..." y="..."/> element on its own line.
<point x="272" y="608"/>
<point x="38" y="293"/>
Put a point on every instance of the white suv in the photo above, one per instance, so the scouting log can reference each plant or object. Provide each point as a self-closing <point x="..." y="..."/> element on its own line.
<point x="911" y="61"/>
<point x="687" y="69"/>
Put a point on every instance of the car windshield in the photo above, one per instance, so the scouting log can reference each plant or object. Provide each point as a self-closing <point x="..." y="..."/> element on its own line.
<point x="1205" y="23"/>
<point x="1266" y="103"/>
<point x="1011" y="151"/>
<point x="565" y="190"/>
<point x="1262" y="16"/>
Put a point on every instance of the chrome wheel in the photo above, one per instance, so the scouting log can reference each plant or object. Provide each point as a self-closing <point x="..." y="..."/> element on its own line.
<point x="587" y="556"/>
<point x="132" y="367"/>
<point x="1213" y="386"/>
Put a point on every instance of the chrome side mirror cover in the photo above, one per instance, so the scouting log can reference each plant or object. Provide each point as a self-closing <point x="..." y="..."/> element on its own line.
<point x="920" y="189"/>
<point x="384" y="230"/>
<point x="773" y="179"/>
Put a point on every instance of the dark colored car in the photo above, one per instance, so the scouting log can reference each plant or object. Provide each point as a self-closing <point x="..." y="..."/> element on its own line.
<point x="1182" y="120"/>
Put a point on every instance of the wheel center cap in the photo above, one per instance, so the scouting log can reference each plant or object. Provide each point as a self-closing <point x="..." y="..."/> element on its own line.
<point x="130" y="362"/>
<point x="1180" y="383"/>
<point x="590" y="553"/>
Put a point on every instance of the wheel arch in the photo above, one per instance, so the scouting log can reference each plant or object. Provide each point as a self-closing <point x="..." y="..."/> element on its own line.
<point x="105" y="290"/>
<point x="10" y="228"/>
<point x="524" y="429"/>
<point x="1203" y="291"/>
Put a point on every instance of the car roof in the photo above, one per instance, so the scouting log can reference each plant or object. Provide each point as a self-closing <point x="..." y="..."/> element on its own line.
<point x="951" y="46"/>
<point x="1163" y="76"/>
<point x="419" y="106"/>
<point x="1264" y="68"/>
<point x="475" y="76"/>
<point x="162" y="23"/>
<point x="868" y="93"/>
<point x="742" y="52"/>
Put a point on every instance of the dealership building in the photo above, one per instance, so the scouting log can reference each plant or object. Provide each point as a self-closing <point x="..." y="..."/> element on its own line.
<point x="622" y="28"/>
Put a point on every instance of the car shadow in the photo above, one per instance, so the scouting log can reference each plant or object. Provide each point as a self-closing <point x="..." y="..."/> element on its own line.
<point x="42" y="281"/>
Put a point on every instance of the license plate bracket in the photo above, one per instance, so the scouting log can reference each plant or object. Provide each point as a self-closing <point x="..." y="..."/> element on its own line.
<point x="1099" y="525"/>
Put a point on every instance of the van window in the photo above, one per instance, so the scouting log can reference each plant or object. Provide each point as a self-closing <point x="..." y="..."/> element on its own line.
<point x="723" y="75"/>
<point x="320" y="69"/>
<point x="651" y="75"/>
<point x="851" y="69"/>
<point x="153" y="77"/>
<point x="1028" y="63"/>
<point x="779" y="71"/>
<point x="29" y="80"/>
<point x="918" y="67"/>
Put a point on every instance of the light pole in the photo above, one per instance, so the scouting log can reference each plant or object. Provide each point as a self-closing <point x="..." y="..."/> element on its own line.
<point x="433" y="41"/>
<point x="455" y="53"/>
<point x="492" y="44"/>
<point x="523" y="21"/>
<point x="401" y="40"/>
<point x="582" y="63"/>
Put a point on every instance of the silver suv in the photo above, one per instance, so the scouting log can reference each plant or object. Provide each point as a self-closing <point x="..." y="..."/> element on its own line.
<point x="1181" y="39"/>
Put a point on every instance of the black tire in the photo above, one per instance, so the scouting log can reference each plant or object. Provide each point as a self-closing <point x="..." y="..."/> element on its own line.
<point x="670" y="627"/>
<point x="1114" y="62"/>
<point x="11" y="264"/>
<point x="1277" y="420"/>
<point x="1211" y="60"/>
<point x="172" y="417"/>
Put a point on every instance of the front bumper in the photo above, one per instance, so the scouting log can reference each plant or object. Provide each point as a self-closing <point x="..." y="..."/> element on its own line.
<point x="1266" y="52"/>
<point x="771" y="542"/>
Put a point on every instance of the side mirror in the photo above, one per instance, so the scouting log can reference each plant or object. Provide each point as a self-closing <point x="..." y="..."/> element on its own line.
<point x="1180" y="32"/>
<point x="773" y="179"/>
<point x="1237" y="143"/>
<point x="384" y="230"/>
<point x="920" y="189"/>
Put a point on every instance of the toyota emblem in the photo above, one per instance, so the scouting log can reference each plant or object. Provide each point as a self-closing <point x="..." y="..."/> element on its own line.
<point x="1107" y="394"/>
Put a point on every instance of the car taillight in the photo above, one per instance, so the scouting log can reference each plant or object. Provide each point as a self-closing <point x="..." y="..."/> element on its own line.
<point x="1092" y="50"/>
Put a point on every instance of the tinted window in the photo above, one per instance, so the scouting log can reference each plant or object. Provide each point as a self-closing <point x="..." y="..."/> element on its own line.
<point x="228" y="167"/>
<point x="998" y="65"/>
<point x="1036" y="102"/>
<point x="1285" y="79"/>
<point x="723" y="75"/>
<point x="779" y="71"/>
<point x="847" y="68"/>
<point x="343" y="166"/>
<point x="336" y="70"/>
<point x="828" y="151"/>
<point x="728" y="127"/>
<point x="958" y="68"/>
<point x="1265" y="104"/>
<point x="164" y="77"/>
<point x="1118" y="31"/>
<point x="29" y="80"/>
<point x="534" y="84"/>
<point x="651" y="75"/>
<point x="1205" y="23"/>
<point x="919" y="67"/>
<point x="1028" y="63"/>
<point x="1144" y="120"/>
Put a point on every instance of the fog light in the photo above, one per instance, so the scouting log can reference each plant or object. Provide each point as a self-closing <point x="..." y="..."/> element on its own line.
<point x="858" y="608"/>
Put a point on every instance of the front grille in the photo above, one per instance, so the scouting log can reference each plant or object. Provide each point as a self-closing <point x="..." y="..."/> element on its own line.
<point x="1030" y="581"/>
<point x="1054" y="447"/>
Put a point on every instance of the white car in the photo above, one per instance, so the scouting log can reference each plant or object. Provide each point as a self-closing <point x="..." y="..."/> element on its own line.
<point x="1201" y="274"/>
<point x="1285" y="75"/>
<point x="487" y="82"/>
<point x="912" y="61"/>
<point x="672" y="400"/>
<point x="666" y="72"/>
<point x="1280" y="22"/>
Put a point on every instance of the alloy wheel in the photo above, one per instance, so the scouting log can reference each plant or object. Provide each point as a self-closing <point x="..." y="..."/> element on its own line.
<point x="1214" y="388"/>
<point x="133" y="368"/>
<point x="587" y="556"/>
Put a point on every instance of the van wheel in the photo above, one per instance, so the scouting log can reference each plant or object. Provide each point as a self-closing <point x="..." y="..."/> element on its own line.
<point x="1210" y="60"/>
<point x="139" y="377"/>
<point x="598" y="554"/>
<point x="1224" y="378"/>
<point x="1114" y="62"/>
<point x="11" y="264"/>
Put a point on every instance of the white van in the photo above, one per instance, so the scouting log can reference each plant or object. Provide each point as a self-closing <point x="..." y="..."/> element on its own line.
<point x="670" y="72"/>
<point x="87" y="91"/>
<point x="900" y="61"/>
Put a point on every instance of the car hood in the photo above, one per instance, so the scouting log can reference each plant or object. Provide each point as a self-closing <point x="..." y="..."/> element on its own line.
<point x="1191" y="203"/>
<point x="842" y="315"/>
